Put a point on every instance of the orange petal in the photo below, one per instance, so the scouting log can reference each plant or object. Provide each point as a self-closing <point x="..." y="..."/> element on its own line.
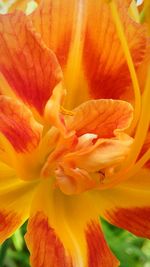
<point x="105" y="66"/>
<point x="135" y="220"/>
<point x="56" y="29"/>
<point x="52" y="112"/>
<point x="17" y="124"/>
<point x="64" y="228"/>
<point x="103" y="154"/>
<point x="101" y="117"/>
<point x="44" y="244"/>
<point x="99" y="254"/>
<point x="15" y="197"/>
<point x="24" y="59"/>
<point x="128" y="205"/>
<point x="92" y="61"/>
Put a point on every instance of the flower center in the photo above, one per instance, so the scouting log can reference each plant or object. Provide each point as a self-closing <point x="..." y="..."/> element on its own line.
<point x="81" y="163"/>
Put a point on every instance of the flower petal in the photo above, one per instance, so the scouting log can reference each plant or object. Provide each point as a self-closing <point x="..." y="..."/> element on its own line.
<point x="92" y="60"/>
<point x="104" y="153"/>
<point x="128" y="205"/>
<point x="62" y="25"/>
<point x="101" y="117"/>
<point x="99" y="254"/>
<point x="105" y="66"/>
<point x="54" y="20"/>
<point x="15" y="197"/>
<point x="63" y="229"/>
<point x="17" y="124"/>
<point x="24" y="59"/>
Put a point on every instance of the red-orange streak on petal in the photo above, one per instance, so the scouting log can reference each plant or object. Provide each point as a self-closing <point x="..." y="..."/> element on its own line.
<point x="45" y="247"/>
<point x="135" y="220"/>
<point x="56" y="21"/>
<point x="101" y="117"/>
<point x="18" y="125"/>
<point x="99" y="254"/>
<point x="28" y="65"/>
<point x="9" y="221"/>
<point x="105" y="65"/>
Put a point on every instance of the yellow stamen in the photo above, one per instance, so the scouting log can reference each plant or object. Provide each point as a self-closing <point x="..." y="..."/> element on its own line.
<point x="129" y="168"/>
<point x="129" y="60"/>
<point x="142" y="126"/>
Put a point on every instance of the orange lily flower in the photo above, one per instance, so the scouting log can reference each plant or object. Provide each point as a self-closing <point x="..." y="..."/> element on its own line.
<point x="74" y="141"/>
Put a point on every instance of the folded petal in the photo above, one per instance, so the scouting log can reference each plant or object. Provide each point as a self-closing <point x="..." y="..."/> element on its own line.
<point x="30" y="68"/>
<point x="105" y="66"/>
<point x="104" y="153"/>
<point x="128" y="205"/>
<point x="63" y="228"/>
<point x="18" y="125"/>
<point x="15" y="198"/>
<point x="101" y="117"/>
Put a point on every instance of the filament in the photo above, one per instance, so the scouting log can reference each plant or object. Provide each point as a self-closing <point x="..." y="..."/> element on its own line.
<point x="130" y="64"/>
<point x="143" y="125"/>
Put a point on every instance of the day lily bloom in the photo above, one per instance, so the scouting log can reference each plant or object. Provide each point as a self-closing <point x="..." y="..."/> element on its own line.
<point x="74" y="121"/>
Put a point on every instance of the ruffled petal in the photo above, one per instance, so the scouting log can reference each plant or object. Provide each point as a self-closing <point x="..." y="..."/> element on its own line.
<point x="128" y="205"/>
<point x="15" y="198"/>
<point x="101" y="117"/>
<point x="63" y="228"/>
<point x="24" y="59"/>
<point x="104" y="153"/>
<point x="18" y="125"/>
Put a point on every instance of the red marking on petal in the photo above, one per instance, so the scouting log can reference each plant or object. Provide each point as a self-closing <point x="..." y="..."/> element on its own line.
<point x="101" y="117"/>
<point x="18" y="125"/>
<point x="45" y="246"/>
<point x="135" y="220"/>
<point x="104" y="62"/>
<point x="99" y="254"/>
<point x="28" y="65"/>
<point x="9" y="221"/>
<point x="55" y="21"/>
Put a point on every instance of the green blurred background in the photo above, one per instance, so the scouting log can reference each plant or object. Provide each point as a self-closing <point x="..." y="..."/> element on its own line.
<point x="129" y="249"/>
